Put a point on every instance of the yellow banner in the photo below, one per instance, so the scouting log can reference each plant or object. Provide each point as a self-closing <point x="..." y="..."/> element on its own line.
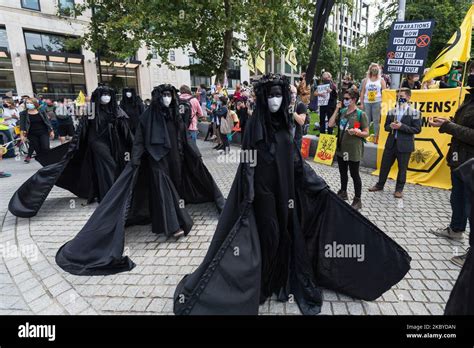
<point x="326" y="149"/>
<point x="427" y="166"/>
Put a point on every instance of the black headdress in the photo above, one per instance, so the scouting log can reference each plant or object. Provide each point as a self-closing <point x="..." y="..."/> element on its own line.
<point x="160" y="113"/>
<point x="125" y="100"/>
<point x="260" y="131"/>
<point x="103" y="113"/>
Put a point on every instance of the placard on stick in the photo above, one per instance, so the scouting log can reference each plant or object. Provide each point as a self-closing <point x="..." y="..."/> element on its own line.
<point x="408" y="46"/>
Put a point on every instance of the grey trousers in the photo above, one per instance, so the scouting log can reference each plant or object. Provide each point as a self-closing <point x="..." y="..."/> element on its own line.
<point x="372" y="111"/>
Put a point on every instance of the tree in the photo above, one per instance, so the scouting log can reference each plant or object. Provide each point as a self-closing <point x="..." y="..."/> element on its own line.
<point x="448" y="15"/>
<point x="212" y="31"/>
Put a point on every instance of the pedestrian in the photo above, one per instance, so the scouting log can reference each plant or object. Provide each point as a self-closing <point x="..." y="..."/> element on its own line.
<point x="222" y="113"/>
<point x="243" y="114"/>
<point x="454" y="77"/>
<point x="190" y="109"/>
<point x="133" y="106"/>
<point x="50" y="110"/>
<point x="326" y="111"/>
<point x="461" y="150"/>
<point x="412" y="81"/>
<point x="35" y="127"/>
<point x="299" y="112"/>
<point x="8" y="121"/>
<point x="203" y="99"/>
<point x="64" y="113"/>
<point x="304" y="91"/>
<point x="371" y="97"/>
<point x="162" y="174"/>
<point x="353" y="129"/>
<point x="402" y="123"/>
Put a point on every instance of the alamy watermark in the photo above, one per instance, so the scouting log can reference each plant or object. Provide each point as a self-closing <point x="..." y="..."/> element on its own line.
<point x="345" y="251"/>
<point x="238" y="156"/>
<point x="11" y="251"/>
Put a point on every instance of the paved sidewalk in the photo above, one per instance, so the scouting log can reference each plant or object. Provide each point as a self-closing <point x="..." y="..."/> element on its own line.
<point x="32" y="283"/>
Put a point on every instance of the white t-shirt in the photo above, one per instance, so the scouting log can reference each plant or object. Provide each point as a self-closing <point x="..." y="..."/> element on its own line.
<point x="10" y="113"/>
<point x="373" y="91"/>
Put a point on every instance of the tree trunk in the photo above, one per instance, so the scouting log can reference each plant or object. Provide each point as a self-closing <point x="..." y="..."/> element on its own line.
<point x="227" y="50"/>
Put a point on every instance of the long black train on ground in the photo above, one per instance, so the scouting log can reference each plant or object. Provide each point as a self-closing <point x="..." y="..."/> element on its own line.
<point x="278" y="228"/>
<point x="461" y="300"/>
<point x="88" y="165"/>
<point x="164" y="173"/>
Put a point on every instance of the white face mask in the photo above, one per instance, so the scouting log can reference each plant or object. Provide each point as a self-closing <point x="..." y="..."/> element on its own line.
<point x="105" y="99"/>
<point x="128" y="94"/>
<point x="274" y="103"/>
<point x="167" y="101"/>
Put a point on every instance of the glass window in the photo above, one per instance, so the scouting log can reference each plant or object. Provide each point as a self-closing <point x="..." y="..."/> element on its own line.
<point x="31" y="4"/>
<point x="66" y="7"/>
<point x="57" y="80"/>
<point x="287" y="68"/>
<point x="118" y="78"/>
<point x="7" y="79"/>
<point x="48" y="42"/>
<point x="33" y="41"/>
<point x="3" y="38"/>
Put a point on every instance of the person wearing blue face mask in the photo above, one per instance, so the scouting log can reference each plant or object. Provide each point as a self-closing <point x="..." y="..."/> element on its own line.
<point x="35" y="127"/>
<point x="353" y="127"/>
<point x="402" y="123"/>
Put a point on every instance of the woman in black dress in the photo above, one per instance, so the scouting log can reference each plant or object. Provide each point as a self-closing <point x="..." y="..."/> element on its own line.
<point x="281" y="230"/>
<point x="35" y="127"/>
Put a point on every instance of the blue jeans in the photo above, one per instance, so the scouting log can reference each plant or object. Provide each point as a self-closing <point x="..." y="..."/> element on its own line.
<point x="460" y="203"/>
<point x="193" y="135"/>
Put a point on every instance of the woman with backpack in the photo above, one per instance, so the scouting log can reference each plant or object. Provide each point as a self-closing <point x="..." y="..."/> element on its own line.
<point x="353" y="129"/>
<point x="35" y="127"/>
<point x="225" y="127"/>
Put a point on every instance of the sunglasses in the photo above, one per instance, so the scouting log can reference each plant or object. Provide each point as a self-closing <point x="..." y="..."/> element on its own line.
<point x="347" y="99"/>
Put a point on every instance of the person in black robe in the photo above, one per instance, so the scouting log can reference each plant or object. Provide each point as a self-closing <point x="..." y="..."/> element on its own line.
<point x="461" y="300"/>
<point x="282" y="230"/>
<point x="133" y="106"/>
<point x="164" y="173"/>
<point x="88" y="165"/>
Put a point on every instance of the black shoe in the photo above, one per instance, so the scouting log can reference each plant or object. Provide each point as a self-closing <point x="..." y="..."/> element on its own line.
<point x="357" y="203"/>
<point x="343" y="195"/>
<point x="217" y="146"/>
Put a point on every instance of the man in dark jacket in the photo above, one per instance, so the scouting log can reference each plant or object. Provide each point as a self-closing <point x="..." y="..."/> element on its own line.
<point x="461" y="150"/>
<point x="402" y="123"/>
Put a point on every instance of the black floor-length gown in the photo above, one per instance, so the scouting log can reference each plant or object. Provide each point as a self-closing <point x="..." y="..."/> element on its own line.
<point x="273" y="236"/>
<point x="461" y="300"/>
<point x="87" y="166"/>
<point x="164" y="174"/>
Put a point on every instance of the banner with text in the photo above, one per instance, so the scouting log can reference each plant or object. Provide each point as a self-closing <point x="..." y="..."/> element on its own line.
<point x="427" y="164"/>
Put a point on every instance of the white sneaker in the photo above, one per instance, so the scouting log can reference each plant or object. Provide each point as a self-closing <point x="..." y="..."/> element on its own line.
<point x="448" y="233"/>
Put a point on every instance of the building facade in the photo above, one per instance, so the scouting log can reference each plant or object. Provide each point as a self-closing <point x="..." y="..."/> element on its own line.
<point x="36" y="57"/>
<point x="355" y="24"/>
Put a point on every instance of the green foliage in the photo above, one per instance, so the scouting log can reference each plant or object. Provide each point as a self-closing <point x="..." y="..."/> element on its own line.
<point x="213" y="30"/>
<point x="448" y="15"/>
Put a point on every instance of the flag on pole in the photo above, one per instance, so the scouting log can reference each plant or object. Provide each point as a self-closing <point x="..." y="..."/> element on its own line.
<point x="291" y="57"/>
<point x="458" y="49"/>
<point x="81" y="99"/>
<point x="259" y="61"/>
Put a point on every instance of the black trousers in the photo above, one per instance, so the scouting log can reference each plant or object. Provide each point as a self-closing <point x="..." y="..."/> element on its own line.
<point x="353" y="168"/>
<point x="225" y="141"/>
<point x="325" y="113"/>
<point x="388" y="159"/>
<point x="38" y="142"/>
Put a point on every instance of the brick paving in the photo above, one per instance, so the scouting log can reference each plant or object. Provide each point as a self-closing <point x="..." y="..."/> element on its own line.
<point x="32" y="283"/>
